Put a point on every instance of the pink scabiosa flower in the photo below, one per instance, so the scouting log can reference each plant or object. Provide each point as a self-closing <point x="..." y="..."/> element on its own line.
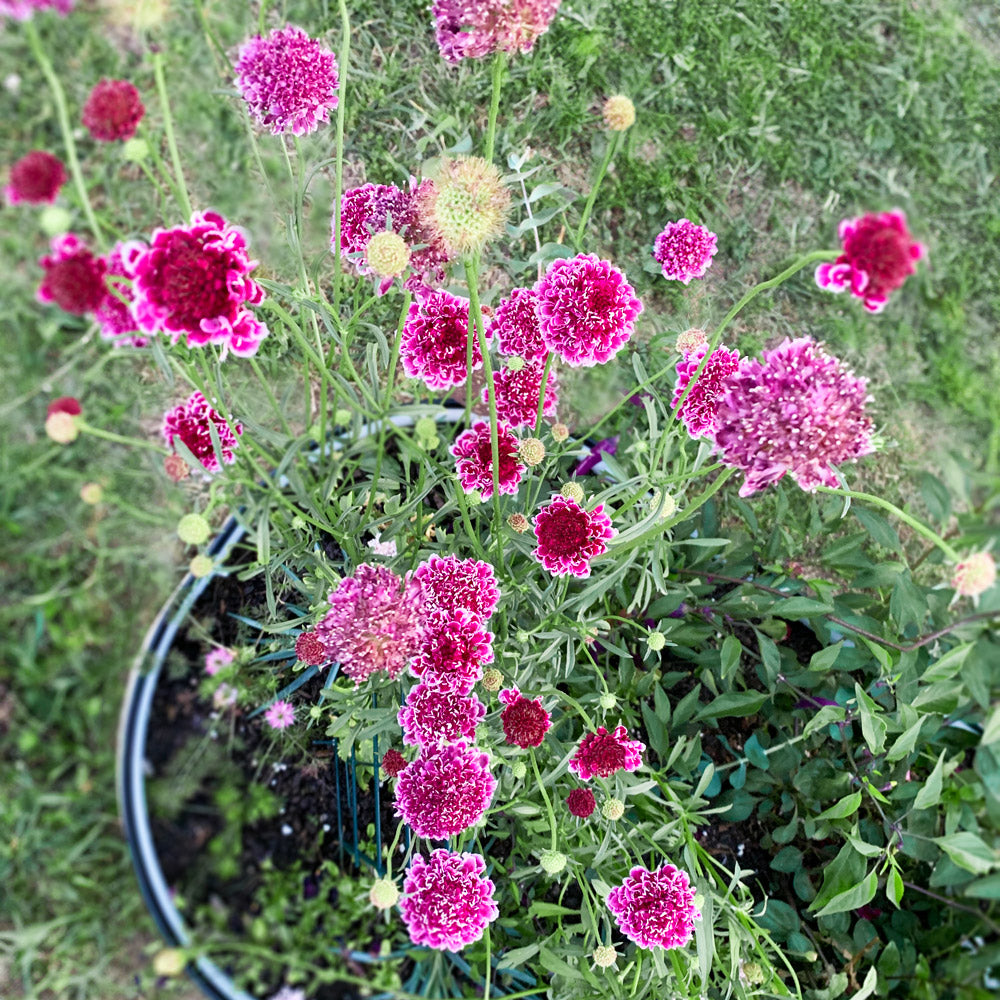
<point x="280" y="715"/>
<point x="288" y="80"/>
<point x="515" y="324"/>
<point x="74" y="277"/>
<point x="393" y="763"/>
<point x="586" y="310"/>
<point x="581" y="802"/>
<point x="603" y="753"/>
<point x="974" y="575"/>
<point x="699" y="409"/>
<point x="525" y="722"/>
<point x="374" y="622"/>
<point x="21" y="10"/>
<point x="435" y="338"/>
<point x="447" y="900"/>
<point x="445" y="790"/>
<point x="195" y="281"/>
<point x="569" y="537"/>
<point x="879" y="255"/>
<point x="309" y="649"/>
<point x="113" y="111"/>
<point x="517" y="393"/>
<point x="798" y="410"/>
<point x="655" y="909"/>
<point x="433" y="715"/>
<point x="454" y="650"/>
<point x="453" y="584"/>
<point x="474" y="451"/>
<point x="114" y="313"/>
<point x="35" y="179"/>
<point x="684" y="250"/>
<point x="217" y="658"/>
<point x="472" y="29"/>
<point x="191" y="421"/>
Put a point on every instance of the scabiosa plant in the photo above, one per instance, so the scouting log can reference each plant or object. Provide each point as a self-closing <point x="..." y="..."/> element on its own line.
<point x="393" y="763"/>
<point x="453" y="584"/>
<point x="515" y="324"/>
<point x="603" y="753"/>
<point x="684" y="250"/>
<point x="655" y="909"/>
<point x="569" y="537"/>
<point x="35" y="179"/>
<point x="195" y="281"/>
<point x="879" y="255"/>
<point x="112" y="111"/>
<point x="74" y="277"/>
<point x="435" y="338"/>
<point x="447" y="900"/>
<point x="581" y="802"/>
<point x="472" y="29"/>
<point x="525" y="722"/>
<point x="798" y="410"/>
<point x="446" y="790"/>
<point x="517" y="392"/>
<point x="699" y="409"/>
<point x="373" y="623"/>
<point x="433" y="715"/>
<point x="586" y="310"/>
<point x="114" y="312"/>
<point x="190" y="422"/>
<point x="280" y="715"/>
<point x="974" y="575"/>
<point x="288" y="80"/>
<point x="310" y="649"/>
<point x="474" y="452"/>
<point x="454" y="650"/>
<point x="691" y="340"/>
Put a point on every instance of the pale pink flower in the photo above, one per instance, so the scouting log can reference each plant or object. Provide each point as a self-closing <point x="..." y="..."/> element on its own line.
<point x="280" y="715"/>
<point x="21" y="10"/>
<point x="217" y="658"/>
<point x="974" y="575"/>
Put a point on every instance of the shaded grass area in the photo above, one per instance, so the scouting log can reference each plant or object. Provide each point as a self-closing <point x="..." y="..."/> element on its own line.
<point x="769" y="122"/>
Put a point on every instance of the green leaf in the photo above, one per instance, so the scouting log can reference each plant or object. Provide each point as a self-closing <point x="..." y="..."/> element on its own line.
<point x="984" y="888"/>
<point x="655" y="728"/>
<point x="851" y="899"/>
<point x="894" y="887"/>
<point x="516" y="957"/>
<point x="941" y="697"/>
<point x="907" y="605"/>
<point x="801" y="607"/>
<point x="769" y="656"/>
<point x="847" y="806"/>
<point x="930" y="794"/>
<point x="873" y="726"/>
<point x="937" y="499"/>
<point x="540" y="908"/>
<point x="755" y="753"/>
<point x="905" y="742"/>
<point x="840" y="875"/>
<point x="868" y="986"/>
<point x="991" y="727"/>
<point x="879" y="528"/>
<point x="730" y="655"/>
<point x="822" y="661"/>
<point x="827" y="715"/>
<point x="788" y="859"/>
<point x="945" y="667"/>
<point x="969" y="852"/>
<point x="733" y="704"/>
<point x="554" y="964"/>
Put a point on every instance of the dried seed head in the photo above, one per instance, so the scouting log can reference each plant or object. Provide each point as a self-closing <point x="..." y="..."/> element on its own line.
<point x="619" y="113"/>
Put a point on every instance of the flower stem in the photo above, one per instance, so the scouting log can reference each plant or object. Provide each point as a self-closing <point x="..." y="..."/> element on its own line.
<point x="609" y="154"/>
<point x="168" y="131"/>
<point x="496" y="73"/>
<point x="550" y="357"/>
<point x="338" y="177"/>
<point x="64" y="126"/>
<point x="553" y="829"/>
<point x="119" y="438"/>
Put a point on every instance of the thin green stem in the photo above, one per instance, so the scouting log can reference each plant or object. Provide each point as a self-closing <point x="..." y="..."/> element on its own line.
<point x="38" y="50"/>
<point x="609" y="153"/>
<point x="266" y="386"/>
<point x="338" y="177"/>
<point x="496" y="74"/>
<point x="541" y="392"/>
<point x="553" y="828"/>
<point x="168" y="131"/>
<point x="119" y="438"/>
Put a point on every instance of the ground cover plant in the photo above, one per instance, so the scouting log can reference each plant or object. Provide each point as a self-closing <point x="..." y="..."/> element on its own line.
<point x="782" y="689"/>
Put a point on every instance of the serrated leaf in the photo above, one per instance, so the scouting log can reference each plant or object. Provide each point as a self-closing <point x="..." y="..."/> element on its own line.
<point x="930" y="792"/>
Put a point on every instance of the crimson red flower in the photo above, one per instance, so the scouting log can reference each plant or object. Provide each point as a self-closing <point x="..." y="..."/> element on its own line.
<point x="569" y="537"/>
<point x="114" y="314"/>
<point x="393" y="763"/>
<point x="603" y="753"/>
<point x="310" y="649"/>
<point x="525" y="722"/>
<point x="113" y="110"/>
<point x="454" y="649"/>
<point x="36" y="179"/>
<point x="191" y="421"/>
<point x="474" y="450"/>
<point x="74" y="277"/>
<point x="581" y="802"/>
<point x="65" y="404"/>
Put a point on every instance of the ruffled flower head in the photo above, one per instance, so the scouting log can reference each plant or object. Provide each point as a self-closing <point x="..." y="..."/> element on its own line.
<point x="699" y="409"/>
<point x="569" y="537"/>
<point x="581" y="802"/>
<point x="879" y="255"/>
<point x="517" y="393"/>
<point x="974" y="575"/>
<point x="446" y="790"/>
<point x="288" y="80"/>
<point x="515" y="325"/>
<point x="393" y="763"/>
<point x="74" y="277"/>
<point x="195" y="281"/>
<point x="796" y="411"/>
<point x="435" y="339"/>
<point x="433" y="715"/>
<point x="473" y="450"/>
<point x="655" y="909"/>
<point x="35" y="179"/>
<point x="525" y="722"/>
<point x="114" y="314"/>
<point x="586" y="310"/>
<point x="603" y="754"/>
<point x="374" y="622"/>
<point x="310" y="649"/>
<point x="452" y="584"/>
<point x="472" y="29"/>
<point x="684" y="250"/>
<point x="454" y="650"/>
<point x="447" y="900"/>
<point x="191" y="421"/>
<point x="113" y="111"/>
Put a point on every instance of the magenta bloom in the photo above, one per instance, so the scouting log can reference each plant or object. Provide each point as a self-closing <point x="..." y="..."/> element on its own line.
<point x="454" y="650"/>
<point x="309" y="649"/>
<point x="798" y="410"/>
<point x="190" y="422"/>
<point x="474" y="451"/>
<point x="447" y="900"/>
<point x="280" y="715"/>
<point x="288" y="80"/>
<point x="586" y="310"/>
<point x="452" y="584"/>
<point x="216" y="659"/>
<point x="21" y="10"/>
<point x="581" y="802"/>
<point x="393" y="763"/>
<point x="655" y="909"/>
<point x="74" y="277"/>
<point x="515" y="323"/>
<point x="524" y="721"/>
<point x="113" y="315"/>
<point x="569" y="537"/>
<point x="603" y="753"/>
<point x="113" y="110"/>
<point x="517" y="394"/>
<point x="879" y="255"/>
<point x="35" y="179"/>
<point x="699" y="409"/>
<point x="195" y="280"/>
<point x="472" y="29"/>
<point x="445" y="790"/>
<point x="434" y="715"/>
<point x="374" y="622"/>
<point x="435" y="339"/>
<point x="684" y="250"/>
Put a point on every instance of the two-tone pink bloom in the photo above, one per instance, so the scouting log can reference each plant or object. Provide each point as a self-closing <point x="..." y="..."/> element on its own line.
<point x="114" y="313"/>
<point x="35" y="179"/>
<point x="472" y="29"/>
<point x="433" y="715"/>
<point x="525" y="721"/>
<point x="684" y="250"/>
<point x="879" y="255"/>
<point x="455" y="648"/>
<point x="603" y="754"/>
<point x="517" y="393"/>
<point x="570" y="537"/>
<point x="515" y="326"/>
<point x="699" y="409"/>
<point x="447" y="900"/>
<point x="192" y="423"/>
<point x="473" y="450"/>
<point x="453" y="584"/>
<point x="435" y="340"/>
<point x="113" y="110"/>
<point x="655" y="909"/>
<point x="74" y="276"/>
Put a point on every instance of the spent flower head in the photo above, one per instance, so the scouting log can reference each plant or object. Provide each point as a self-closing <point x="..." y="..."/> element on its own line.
<point x="974" y="575"/>
<point x="618" y="113"/>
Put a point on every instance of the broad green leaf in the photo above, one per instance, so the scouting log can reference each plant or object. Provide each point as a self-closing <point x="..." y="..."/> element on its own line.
<point x="984" y="888"/>
<point x="788" y="859"/>
<point x="991" y="727"/>
<point x="553" y="963"/>
<point x="945" y="667"/>
<point x="823" y="660"/>
<point x="930" y="793"/>
<point x="755" y="753"/>
<point x="905" y="742"/>
<point x="729" y="657"/>
<point x="840" y="875"/>
<point x="801" y="607"/>
<point x="870" y="983"/>
<point x="851" y="899"/>
<point x="847" y="806"/>
<point x="907" y="605"/>
<point x="824" y="717"/>
<point x="873" y="726"/>
<point x="769" y="655"/>
<point x="894" y="886"/>
<point x="733" y="704"/>
<point x="969" y="852"/>
<point x="879" y="528"/>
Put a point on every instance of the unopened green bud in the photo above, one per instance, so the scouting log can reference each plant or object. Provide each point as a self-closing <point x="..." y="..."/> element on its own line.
<point x="169" y="962"/>
<point x="384" y="894"/>
<point x="531" y="452"/>
<point x="559" y="432"/>
<point x="656" y="641"/>
<point x="201" y="566"/>
<point x="135" y="150"/>
<point x="552" y="862"/>
<point x="607" y="701"/>
<point x="193" y="529"/>
<point x="572" y="491"/>
<point x="54" y="220"/>
<point x="515" y="363"/>
<point x="492" y="679"/>
<point x="613" y="809"/>
<point x="604" y="956"/>
<point x="519" y="769"/>
<point x="387" y="254"/>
